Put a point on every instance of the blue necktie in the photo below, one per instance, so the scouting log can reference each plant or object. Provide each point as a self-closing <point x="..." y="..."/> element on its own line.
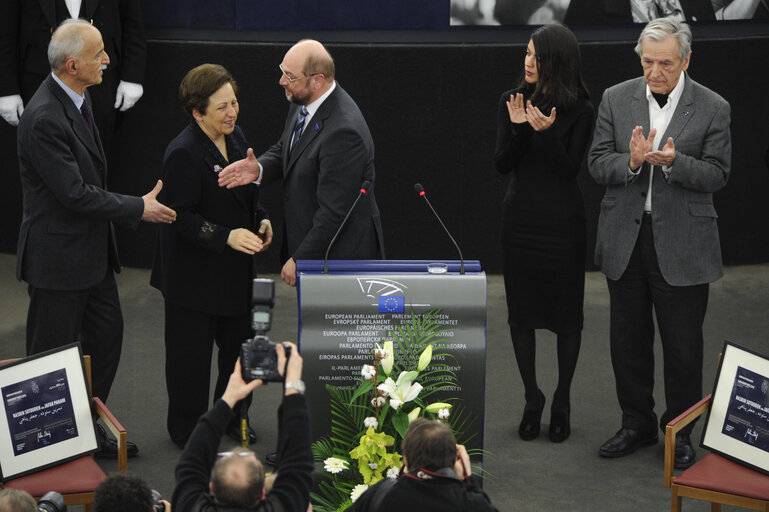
<point x="299" y="126"/>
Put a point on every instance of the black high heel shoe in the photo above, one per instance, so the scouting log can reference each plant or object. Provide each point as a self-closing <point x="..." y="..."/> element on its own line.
<point x="560" y="428"/>
<point x="532" y="417"/>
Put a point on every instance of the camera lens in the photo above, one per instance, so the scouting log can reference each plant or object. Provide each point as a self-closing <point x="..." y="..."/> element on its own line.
<point x="52" y="501"/>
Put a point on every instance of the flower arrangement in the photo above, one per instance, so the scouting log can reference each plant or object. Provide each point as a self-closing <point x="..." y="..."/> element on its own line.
<point x="369" y="420"/>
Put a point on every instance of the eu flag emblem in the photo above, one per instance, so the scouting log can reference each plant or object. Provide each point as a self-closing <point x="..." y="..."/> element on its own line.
<point x="391" y="303"/>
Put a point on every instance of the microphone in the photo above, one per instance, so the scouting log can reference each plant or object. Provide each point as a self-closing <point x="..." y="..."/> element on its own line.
<point x="421" y="191"/>
<point x="363" y="189"/>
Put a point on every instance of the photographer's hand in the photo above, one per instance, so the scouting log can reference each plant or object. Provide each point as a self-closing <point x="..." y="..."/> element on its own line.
<point x="293" y="369"/>
<point x="237" y="388"/>
<point x="167" y="505"/>
<point x="462" y="464"/>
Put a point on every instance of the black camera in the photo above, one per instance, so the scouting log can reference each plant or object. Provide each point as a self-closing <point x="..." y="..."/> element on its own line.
<point x="156" y="505"/>
<point x="258" y="358"/>
<point x="52" y="501"/>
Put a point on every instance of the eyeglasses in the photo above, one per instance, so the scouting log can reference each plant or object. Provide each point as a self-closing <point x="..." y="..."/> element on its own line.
<point x="240" y="454"/>
<point x="292" y="80"/>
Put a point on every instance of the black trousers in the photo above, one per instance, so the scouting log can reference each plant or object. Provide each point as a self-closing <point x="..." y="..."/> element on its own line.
<point x="189" y="337"/>
<point x="680" y="312"/>
<point x="93" y="316"/>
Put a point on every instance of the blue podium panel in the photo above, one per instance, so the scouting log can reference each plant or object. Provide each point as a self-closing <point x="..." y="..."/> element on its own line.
<point x="343" y="315"/>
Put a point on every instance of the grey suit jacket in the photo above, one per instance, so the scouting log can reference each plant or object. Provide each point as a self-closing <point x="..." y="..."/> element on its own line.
<point x="66" y="240"/>
<point x="322" y="178"/>
<point x="683" y="217"/>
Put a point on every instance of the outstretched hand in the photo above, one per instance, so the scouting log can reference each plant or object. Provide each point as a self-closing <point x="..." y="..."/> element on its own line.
<point x="240" y="173"/>
<point x="154" y="210"/>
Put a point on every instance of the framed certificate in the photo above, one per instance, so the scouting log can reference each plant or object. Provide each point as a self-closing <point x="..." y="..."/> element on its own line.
<point x="46" y="412"/>
<point x="737" y="426"/>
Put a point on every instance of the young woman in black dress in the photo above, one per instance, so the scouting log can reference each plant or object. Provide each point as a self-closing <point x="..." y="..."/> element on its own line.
<point x="543" y="130"/>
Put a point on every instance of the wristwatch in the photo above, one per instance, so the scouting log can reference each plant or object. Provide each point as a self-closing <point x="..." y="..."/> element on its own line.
<point x="295" y="384"/>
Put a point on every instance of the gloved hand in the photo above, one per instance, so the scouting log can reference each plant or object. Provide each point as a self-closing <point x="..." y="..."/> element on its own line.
<point x="128" y="93"/>
<point x="11" y="108"/>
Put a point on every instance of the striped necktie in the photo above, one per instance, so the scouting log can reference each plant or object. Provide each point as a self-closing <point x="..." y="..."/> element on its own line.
<point x="299" y="126"/>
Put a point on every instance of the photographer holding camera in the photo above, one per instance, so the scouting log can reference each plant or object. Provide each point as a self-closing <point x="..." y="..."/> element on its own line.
<point x="436" y="476"/>
<point x="237" y="479"/>
<point x="127" y="493"/>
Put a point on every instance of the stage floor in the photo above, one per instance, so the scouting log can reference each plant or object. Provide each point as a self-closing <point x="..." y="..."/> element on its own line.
<point x="525" y="476"/>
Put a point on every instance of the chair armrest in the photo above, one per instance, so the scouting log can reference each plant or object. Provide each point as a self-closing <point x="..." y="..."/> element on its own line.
<point x="673" y="427"/>
<point x="117" y="430"/>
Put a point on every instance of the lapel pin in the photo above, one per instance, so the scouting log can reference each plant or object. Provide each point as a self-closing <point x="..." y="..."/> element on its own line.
<point x="217" y="169"/>
<point x="317" y="127"/>
<point x="686" y="113"/>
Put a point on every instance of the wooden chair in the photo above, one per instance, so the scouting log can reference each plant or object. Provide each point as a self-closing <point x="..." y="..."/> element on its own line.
<point x="713" y="478"/>
<point x="77" y="479"/>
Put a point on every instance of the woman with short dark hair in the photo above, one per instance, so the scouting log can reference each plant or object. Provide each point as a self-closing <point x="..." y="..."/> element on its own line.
<point x="204" y="261"/>
<point x="543" y="130"/>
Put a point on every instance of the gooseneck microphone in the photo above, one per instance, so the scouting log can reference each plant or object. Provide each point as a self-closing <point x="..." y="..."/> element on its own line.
<point x="421" y="191"/>
<point x="363" y="189"/>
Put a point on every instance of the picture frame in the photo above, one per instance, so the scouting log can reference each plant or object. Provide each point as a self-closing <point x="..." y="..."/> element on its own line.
<point x="45" y="417"/>
<point x="737" y="424"/>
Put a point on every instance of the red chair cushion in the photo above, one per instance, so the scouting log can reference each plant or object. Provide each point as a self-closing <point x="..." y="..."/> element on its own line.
<point x="79" y="475"/>
<point x="716" y="473"/>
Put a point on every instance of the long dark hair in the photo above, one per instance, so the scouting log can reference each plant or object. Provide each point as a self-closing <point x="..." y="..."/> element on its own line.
<point x="560" y="81"/>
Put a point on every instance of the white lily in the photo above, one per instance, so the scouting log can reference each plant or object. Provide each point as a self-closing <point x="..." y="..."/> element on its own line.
<point x="425" y="358"/>
<point x="387" y="362"/>
<point x="435" y="407"/>
<point x="402" y="391"/>
<point x="414" y="414"/>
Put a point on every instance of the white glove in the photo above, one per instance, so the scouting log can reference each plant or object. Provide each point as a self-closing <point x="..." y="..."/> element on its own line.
<point x="128" y="93"/>
<point x="11" y="108"/>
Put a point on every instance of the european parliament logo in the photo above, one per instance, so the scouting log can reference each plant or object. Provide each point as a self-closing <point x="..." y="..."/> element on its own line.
<point x="392" y="303"/>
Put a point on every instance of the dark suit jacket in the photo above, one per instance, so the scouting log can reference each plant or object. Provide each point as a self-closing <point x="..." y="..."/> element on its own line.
<point x="66" y="240"/>
<point x="322" y="178"/>
<point x="193" y="266"/>
<point x="25" y="31"/>
<point x="606" y="12"/>
<point x="683" y="216"/>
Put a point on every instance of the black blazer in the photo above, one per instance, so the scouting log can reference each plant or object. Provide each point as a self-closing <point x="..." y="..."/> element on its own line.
<point x="606" y="12"/>
<point x="322" y="178"/>
<point x="66" y="239"/>
<point x="26" y="27"/>
<point x="193" y="265"/>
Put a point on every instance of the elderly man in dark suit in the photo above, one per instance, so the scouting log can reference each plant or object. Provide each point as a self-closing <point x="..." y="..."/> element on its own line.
<point x="66" y="251"/>
<point x="657" y="238"/>
<point x="25" y="30"/>
<point x="323" y="156"/>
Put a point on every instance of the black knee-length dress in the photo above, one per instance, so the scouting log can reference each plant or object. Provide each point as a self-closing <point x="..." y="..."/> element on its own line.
<point x="543" y="217"/>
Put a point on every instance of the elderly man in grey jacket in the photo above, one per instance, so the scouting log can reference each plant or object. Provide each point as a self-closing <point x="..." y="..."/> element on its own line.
<point x="661" y="147"/>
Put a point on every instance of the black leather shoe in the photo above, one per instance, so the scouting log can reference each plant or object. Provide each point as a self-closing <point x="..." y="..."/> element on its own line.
<point x="560" y="429"/>
<point x="272" y="458"/>
<point x="684" y="452"/>
<point x="532" y="416"/>
<point x="626" y="441"/>
<point x="108" y="446"/>
<point x="234" y="433"/>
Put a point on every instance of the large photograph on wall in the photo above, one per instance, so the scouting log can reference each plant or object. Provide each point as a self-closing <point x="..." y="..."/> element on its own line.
<point x="601" y="12"/>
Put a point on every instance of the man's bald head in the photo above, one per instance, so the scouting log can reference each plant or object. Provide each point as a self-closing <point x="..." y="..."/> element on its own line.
<point x="67" y="43"/>
<point x="238" y="479"/>
<point x="314" y="58"/>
